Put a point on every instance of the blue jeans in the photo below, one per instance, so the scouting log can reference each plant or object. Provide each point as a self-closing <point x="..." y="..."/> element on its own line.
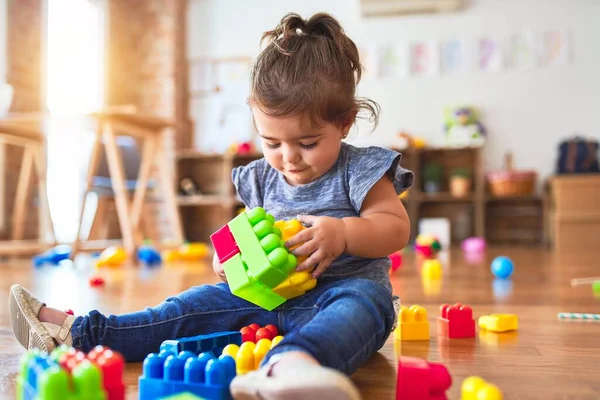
<point x="340" y="322"/>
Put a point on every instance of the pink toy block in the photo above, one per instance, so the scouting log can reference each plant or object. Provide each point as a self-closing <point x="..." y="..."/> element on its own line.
<point x="224" y="244"/>
<point x="456" y="321"/>
<point x="419" y="379"/>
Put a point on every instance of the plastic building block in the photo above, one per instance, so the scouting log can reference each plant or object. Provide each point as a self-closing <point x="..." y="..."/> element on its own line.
<point x="476" y="388"/>
<point x="193" y="252"/>
<point x="245" y="287"/>
<point x="53" y="256"/>
<point x="214" y="342"/>
<point x="166" y="374"/>
<point x="412" y="324"/>
<point x="68" y="374"/>
<point x="183" y="396"/>
<point x="254" y="332"/>
<point x="258" y="266"/>
<point x="499" y="322"/>
<point x="224" y="244"/>
<point x="96" y="281"/>
<point x="249" y="355"/>
<point x="113" y="256"/>
<point x="431" y="269"/>
<point x="456" y="321"/>
<point x="149" y="256"/>
<point x="421" y="380"/>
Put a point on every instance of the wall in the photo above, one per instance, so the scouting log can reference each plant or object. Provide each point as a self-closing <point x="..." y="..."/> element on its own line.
<point x="526" y="112"/>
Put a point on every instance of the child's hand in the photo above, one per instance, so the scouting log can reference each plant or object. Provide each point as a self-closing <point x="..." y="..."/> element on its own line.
<point x="324" y="240"/>
<point x="218" y="268"/>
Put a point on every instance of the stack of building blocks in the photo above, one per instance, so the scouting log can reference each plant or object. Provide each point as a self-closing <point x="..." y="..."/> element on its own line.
<point x="412" y="324"/>
<point x="476" y="388"/>
<point x="193" y="365"/>
<point x="249" y="355"/>
<point x="498" y="322"/>
<point x="418" y="379"/>
<point x="258" y="266"/>
<point x="456" y="321"/>
<point x="183" y="396"/>
<point x="68" y="374"/>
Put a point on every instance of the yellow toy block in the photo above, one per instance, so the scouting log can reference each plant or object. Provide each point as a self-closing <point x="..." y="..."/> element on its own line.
<point x="431" y="269"/>
<point x="476" y="388"/>
<point x="412" y="324"/>
<point x="249" y="355"/>
<point x="298" y="282"/>
<point x="499" y="322"/>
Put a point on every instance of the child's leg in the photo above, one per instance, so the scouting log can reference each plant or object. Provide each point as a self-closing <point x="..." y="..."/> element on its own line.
<point x="338" y="325"/>
<point x="198" y="310"/>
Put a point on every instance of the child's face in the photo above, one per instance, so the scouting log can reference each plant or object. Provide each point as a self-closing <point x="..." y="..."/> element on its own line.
<point x="301" y="153"/>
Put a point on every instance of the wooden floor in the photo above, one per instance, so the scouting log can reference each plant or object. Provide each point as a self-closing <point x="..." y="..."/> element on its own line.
<point x="546" y="359"/>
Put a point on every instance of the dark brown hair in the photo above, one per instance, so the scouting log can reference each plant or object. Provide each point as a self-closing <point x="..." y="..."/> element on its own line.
<point x="310" y="68"/>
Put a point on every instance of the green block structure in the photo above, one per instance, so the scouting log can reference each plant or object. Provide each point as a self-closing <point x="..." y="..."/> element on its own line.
<point x="263" y="261"/>
<point x="183" y="396"/>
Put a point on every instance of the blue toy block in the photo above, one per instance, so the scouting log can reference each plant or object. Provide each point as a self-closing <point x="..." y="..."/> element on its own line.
<point x="149" y="255"/>
<point x="53" y="256"/>
<point x="166" y="374"/>
<point x="214" y="342"/>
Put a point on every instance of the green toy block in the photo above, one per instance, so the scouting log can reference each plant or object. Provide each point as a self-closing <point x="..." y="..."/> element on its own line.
<point x="261" y="247"/>
<point x="244" y="286"/>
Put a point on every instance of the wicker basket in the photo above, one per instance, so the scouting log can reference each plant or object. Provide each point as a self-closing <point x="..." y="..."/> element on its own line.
<point x="510" y="182"/>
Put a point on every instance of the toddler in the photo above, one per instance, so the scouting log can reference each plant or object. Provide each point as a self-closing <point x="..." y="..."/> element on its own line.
<point x="303" y="101"/>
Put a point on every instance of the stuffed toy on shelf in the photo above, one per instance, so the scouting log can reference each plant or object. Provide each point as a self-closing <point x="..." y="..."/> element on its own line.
<point x="462" y="127"/>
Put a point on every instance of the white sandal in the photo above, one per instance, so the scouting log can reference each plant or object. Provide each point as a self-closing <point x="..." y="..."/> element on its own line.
<point x="28" y="329"/>
<point x="306" y="382"/>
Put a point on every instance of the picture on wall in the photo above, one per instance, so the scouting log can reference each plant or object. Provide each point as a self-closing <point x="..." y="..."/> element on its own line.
<point x="452" y="56"/>
<point x="491" y="57"/>
<point x="424" y="58"/>
<point x="522" y="53"/>
<point x="554" y="48"/>
<point x="393" y="61"/>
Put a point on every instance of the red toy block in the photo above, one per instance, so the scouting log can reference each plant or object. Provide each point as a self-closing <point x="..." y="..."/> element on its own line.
<point x="263" y="333"/>
<point x="111" y="364"/>
<point x="248" y="334"/>
<point x="224" y="244"/>
<point x="69" y="311"/>
<point x="273" y="329"/>
<point x="254" y="327"/>
<point x="456" y="321"/>
<point x="96" y="281"/>
<point x="419" y="379"/>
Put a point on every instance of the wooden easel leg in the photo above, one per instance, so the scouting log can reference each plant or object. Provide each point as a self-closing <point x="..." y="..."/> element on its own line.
<point x="18" y="222"/>
<point x="92" y="169"/>
<point x="40" y="162"/>
<point x="146" y="164"/>
<point x="117" y="173"/>
<point x="168" y="190"/>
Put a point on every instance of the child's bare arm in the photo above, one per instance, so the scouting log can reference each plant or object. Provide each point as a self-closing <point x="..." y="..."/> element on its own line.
<point x="218" y="268"/>
<point x="383" y="226"/>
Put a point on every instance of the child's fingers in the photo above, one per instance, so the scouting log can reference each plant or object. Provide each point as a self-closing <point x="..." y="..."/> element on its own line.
<point x="323" y="265"/>
<point x="303" y="236"/>
<point x="307" y="219"/>
<point x="310" y="262"/>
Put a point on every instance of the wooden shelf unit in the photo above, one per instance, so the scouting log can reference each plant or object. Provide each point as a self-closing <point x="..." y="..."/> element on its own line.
<point x="217" y="203"/>
<point x="501" y="220"/>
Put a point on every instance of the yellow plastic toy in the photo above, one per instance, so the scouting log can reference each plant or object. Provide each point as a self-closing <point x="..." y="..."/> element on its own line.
<point x="431" y="269"/>
<point x="113" y="256"/>
<point x="298" y="282"/>
<point x="249" y="355"/>
<point x="499" y="322"/>
<point x="187" y="252"/>
<point x="476" y="388"/>
<point x="412" y="324"/>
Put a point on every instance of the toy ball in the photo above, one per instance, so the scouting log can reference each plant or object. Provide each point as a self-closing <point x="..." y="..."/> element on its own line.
<point x="502" y="267"/>
<point x="473" y="245"/>
<point x="396" y="259"/>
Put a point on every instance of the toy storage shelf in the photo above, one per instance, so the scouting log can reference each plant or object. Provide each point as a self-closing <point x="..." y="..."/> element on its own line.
<point x="216" y="203"/>
<point x="500" y="220"/>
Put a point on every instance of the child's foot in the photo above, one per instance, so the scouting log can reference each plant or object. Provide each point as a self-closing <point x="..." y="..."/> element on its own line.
<point x="35" y="325"/>
<point x="293" y="376"/>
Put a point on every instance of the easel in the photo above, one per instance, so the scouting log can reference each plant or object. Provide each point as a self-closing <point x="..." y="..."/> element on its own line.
<point x="151" y="131"/>
<point x="26" y="133"/>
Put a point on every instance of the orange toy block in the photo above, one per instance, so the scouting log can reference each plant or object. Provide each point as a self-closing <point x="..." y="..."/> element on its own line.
<point x="456" y="321"/>
<point x="412" y="324"/>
